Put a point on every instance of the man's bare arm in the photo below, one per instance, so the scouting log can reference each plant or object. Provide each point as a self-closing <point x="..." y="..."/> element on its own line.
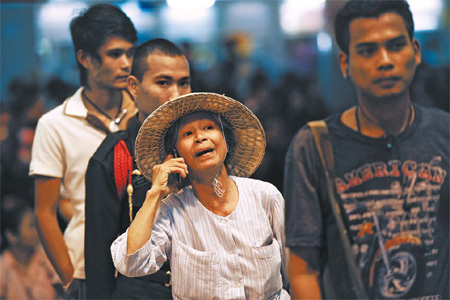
<point x="46" y="205"/>
<point x="303" y="272"/>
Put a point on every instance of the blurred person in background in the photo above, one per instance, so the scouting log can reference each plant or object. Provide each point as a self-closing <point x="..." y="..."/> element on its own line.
<point x="431" y="86"/>
<point x="390" y="174"/>
<point x="57" y="91"/>
<point x="25" y="271"/>
<point x="198" y="82"/>
<point x="231" y="75"/>
<point x="261" y="101"/>
<point x="160" y="72"/>
<point x="24" y="107"/>
<point x="66" y="137"/>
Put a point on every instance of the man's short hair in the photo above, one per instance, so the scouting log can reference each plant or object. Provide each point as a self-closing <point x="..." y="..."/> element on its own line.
<point x="368" y="9"/>
<point x="162" y="46"/>
<point x="91" y="29"/>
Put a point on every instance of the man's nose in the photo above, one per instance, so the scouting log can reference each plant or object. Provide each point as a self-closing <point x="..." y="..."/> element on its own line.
<point x="385" y="61"/>
<point x="174" y="91"/>
<point x="126" y="62"/>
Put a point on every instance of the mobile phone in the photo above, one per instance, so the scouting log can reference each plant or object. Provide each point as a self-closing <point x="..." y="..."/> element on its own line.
<point x="174" y="177"/>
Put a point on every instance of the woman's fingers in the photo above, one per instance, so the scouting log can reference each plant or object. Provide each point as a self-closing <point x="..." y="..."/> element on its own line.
<point x="169" y="157"/>
<point x="177" y="165"/>
<point x="170" y="165"/>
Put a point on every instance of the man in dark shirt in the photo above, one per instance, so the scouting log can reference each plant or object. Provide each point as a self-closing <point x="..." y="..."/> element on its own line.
<point x="391" y="165"/>
<point x="160" y="72"/>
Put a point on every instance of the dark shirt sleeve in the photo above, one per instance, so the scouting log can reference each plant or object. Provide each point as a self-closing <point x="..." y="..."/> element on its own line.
<point x="303" y="213"/>
<point x="103" y="211"/>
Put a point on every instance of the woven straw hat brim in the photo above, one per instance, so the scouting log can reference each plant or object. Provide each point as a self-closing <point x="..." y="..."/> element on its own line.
<point x="245" y="158"/>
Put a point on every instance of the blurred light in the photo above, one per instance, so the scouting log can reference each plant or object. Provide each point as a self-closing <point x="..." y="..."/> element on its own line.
<point x="302" y="16"/>
<point x="250" y="17"/>
<point x="131" y="9"/>
<point x="190" y="3"/>
<point x="59" y="12"/>
<point x="324" y="42"/>
<point x="196" y="25"/>
<point x="142" y="20"/>
<point x="44" y="47"/>
<point x="54" y="18"/>
<point x="426" y="13"/>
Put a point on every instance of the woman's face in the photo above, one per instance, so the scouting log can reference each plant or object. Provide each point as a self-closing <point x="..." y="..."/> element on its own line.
<point x="28" y="236"/>
<point x="201" y="143"/>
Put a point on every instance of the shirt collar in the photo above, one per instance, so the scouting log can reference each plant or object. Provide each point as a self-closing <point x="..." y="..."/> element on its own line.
<point x="74" y="105"/>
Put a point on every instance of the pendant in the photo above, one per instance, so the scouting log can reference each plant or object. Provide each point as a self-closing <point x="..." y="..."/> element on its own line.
<point x="113" y="127"/>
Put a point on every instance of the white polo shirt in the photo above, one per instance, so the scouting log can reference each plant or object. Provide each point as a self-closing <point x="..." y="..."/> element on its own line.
<point x="63" y="144"/>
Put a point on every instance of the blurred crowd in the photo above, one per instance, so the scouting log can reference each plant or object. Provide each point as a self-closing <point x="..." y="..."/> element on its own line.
<point x="283" y="107"/>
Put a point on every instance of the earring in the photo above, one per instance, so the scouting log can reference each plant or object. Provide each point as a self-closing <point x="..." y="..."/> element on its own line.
<point x="346" y="73"/>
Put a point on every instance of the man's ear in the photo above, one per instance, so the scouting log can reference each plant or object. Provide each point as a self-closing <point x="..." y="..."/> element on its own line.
<point x="417" y="53"/>
<point x="84" y="58"/>
<point x="343" y="63"/>
<point x="133" y="86"/>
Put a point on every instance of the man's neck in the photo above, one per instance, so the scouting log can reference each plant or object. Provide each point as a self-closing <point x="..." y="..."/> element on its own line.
<point x="379" y="117"/>
<point x="106" y="99"/>
<point x="141" y="117"/>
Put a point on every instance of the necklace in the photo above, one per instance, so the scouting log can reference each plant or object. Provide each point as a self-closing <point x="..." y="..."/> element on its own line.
<point x="114" y="124"/>
<point x="358" y="124"/>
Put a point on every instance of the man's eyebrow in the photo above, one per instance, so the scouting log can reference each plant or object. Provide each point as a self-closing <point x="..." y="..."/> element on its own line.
<point x="164" y="77"/>
<point x="121" y="49"/>
<point x="399" y="38"/>
<point x="365" y="45"/>
<point x="116" y="50"/>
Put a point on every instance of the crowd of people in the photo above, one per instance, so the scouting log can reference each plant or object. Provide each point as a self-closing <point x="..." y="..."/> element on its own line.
<point x="88" y="159"/>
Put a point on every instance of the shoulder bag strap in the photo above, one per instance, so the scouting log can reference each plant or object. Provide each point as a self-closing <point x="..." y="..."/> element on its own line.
<point x="323" y="144"/>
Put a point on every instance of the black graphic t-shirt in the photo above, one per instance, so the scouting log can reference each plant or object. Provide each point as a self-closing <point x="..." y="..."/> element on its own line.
<point x="394" y="195"/>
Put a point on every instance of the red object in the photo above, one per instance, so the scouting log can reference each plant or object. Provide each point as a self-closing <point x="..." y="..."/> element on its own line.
<point x="123" y="166"/>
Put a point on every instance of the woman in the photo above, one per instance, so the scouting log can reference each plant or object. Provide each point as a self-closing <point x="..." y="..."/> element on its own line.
<point x="222" y="232"/>
<point x="25" y="271"/>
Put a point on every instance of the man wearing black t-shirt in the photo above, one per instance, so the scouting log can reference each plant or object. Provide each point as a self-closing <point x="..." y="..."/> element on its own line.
<point x="391" y="163"/>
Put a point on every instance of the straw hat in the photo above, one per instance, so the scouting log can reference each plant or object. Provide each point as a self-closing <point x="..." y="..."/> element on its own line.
<point x="248" y="131"/>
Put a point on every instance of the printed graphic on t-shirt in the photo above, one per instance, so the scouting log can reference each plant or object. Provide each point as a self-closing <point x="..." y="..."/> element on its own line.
<point x="391" y="211"/>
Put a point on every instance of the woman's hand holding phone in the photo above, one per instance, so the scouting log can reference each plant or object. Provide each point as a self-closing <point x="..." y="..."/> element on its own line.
<point x="167" y="176"/>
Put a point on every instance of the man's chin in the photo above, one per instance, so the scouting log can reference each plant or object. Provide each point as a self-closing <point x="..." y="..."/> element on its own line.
<point x="120" y="86"/>
<point x="389" y="94"/>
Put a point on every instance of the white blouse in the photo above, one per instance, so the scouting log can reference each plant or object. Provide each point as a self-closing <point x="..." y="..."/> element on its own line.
<point x="240" y="256"/>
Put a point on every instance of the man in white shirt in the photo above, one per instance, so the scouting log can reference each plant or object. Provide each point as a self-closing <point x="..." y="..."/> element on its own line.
<point x="66" y="137"/>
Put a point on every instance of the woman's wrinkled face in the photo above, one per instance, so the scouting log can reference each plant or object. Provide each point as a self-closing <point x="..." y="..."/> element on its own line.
<point x="201" y="143"/>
